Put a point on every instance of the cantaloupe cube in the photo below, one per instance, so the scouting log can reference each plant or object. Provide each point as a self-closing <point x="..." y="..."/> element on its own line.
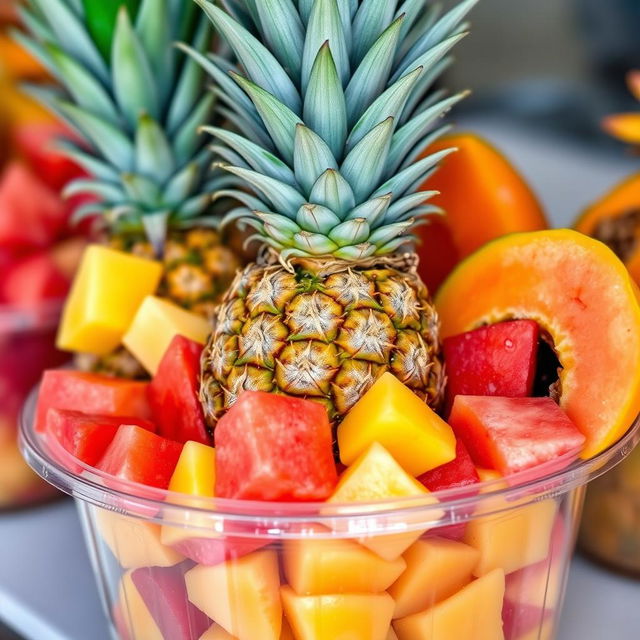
<point x="134" y="542"/>
<point x="546" y="633"/>
<point x="107" y="291"/>
<point x="512" y="539"/>
<point x="216" y="632"/>
<point x="474" y="613"/>
<point x="135" y="615"/>
<point x="155" y="325"/>
<point x="392" y="634"/>
<point x="317" y="567"/>
<point x="286" y="633"/>
<point x="436" y="569"/>
<point x="392" y="415"/>
<point x="329" y="617"/>
<point x="243" y="596"/>
<point x="376" y="476"/>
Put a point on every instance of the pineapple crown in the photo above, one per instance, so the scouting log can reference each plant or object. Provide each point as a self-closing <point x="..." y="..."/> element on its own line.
<point x="334" y="106"/>
<point x="137" y="102"/>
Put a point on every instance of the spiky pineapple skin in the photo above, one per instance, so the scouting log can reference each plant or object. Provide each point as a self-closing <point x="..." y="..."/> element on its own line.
<point x="325" y="330"/>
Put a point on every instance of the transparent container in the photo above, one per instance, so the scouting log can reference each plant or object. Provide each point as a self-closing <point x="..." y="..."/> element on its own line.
<point x="462" y="564"/>
<point x="27" y="347"/>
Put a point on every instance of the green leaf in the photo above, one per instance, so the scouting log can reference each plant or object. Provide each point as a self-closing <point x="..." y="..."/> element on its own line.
<point x="187" y="141"/>
<point x="242" y="123"/>
<point x="182" y="185"/>
<point x="154" y="156"/>
<point x="91" y="164"/>
<point x="314" y="244"/>
<point x="385" y="234"/>
<point x="142" y="190"/>
<point x="155" y="226"/>
<point x="311" y="158"/>
<point x="109" y="192"/>
<point x="418" y="20"/>
<point x="100" y="17"/>
<point x="372" y="210"/>
<point x="332" y="191"/>
<point x="356" y="253"/>
<point x="371" y="19"/>
<point x="350" y="232"/>
<point x="249" y="201"/>
<point x="408" y="203"/>
<point x="316" y="218"/>
<point x="283" y="228"/>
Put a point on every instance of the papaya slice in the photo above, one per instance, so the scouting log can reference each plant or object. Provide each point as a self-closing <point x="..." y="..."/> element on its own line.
<point x="582" y="296"/>
<point x="483" y="196"/>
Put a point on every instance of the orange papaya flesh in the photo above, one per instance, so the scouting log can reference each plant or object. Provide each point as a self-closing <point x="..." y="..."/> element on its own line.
<point x="581" y="294"/>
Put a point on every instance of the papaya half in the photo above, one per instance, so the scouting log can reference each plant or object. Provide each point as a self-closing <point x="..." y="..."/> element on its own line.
<point x="583" y="297"/>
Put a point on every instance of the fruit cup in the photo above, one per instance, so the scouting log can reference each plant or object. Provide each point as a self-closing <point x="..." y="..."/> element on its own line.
<point x="176" y="567"/>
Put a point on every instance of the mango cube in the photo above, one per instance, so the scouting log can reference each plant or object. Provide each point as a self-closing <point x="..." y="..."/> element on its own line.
<point x="216" y="632"/>
<point x="391" y="414"/>
<point x="475" y="613"/>
<point x="328" y="617"/>
<point x="155" y="325"/>
<point x="512" y="539"/>
<point x="136" y="617"/>
<point x="106" y="294"/>
<point x="242" y="596"/>
<point x="317" y="567"/>
<point x="437" y="568"/>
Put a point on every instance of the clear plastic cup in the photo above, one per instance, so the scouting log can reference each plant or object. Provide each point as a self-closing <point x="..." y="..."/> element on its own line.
<point x="481" y="564"/>
<point x="27" y="348"/>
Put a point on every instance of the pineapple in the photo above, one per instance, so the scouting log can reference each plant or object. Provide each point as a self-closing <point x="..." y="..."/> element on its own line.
<point x="334" y="103"/>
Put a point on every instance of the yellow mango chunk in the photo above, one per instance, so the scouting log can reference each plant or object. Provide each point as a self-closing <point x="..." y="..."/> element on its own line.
<point x="216" y="632"/>
<point x="242" y="596"/>
<point x="376" y="476"/>
<point x="136" y="617"/>
<point x="512" y="539"/>
<point x="155" y="325"/>
<point x="135" y="543"/>
<point x="436" y="569"/>
<point x="108" y="289"/>
<point x="317" y="567"/>
<point x="474" y="613"/>
<point x="328" y="617"/>
<point x="392" y="415"/>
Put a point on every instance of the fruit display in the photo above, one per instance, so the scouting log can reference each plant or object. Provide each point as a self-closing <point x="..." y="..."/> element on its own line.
<point x="333" y="453"/>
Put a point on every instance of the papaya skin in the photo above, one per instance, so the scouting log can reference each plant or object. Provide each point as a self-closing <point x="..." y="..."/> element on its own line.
<point x="583" y="296"/>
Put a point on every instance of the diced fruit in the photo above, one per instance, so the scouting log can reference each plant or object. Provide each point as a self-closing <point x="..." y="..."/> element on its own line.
<point x="376" y="476"/>
<point x="497" y="360"/>
<point x="105" y="296"/>
<point x="155" y="325"/>
<point x="392" y="634"/>
<point x="32" y="280"/>
<point x="243" y="596"/>
<point x="573" y="287"/>
<point x="317" y="567"/>
<point x="327" y="617"/>
<point x="90" y="393"/>
<point x="392" y="415"/>
<point x="135" y="616"/>
<point x="140" y="456"/>
<point x="514" y="434"/>
<point x="277" y="448"/>
<point x="134" y="542"/>
<point x="173" y="393"/>
<point x="474" y="612"/>
<point x="513" y="539"/>
<point x="460" y="472"/>
<point x="216" y="632"/>
<point x="436" y="569"/>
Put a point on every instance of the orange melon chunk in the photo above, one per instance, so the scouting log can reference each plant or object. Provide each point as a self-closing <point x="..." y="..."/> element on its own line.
<point x="242" y="596"/>
<point x="136" y="617"/>
<point x="474" y="613"/>
<point x="582" y="295"/>
<point x="216" y="632"/>
<point x="329" y="617"/>
<point x="436" y="569"/>
<point x="392" y="634"/>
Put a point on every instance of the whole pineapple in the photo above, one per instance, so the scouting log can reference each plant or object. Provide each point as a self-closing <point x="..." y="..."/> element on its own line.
<point x="334" y="102"/>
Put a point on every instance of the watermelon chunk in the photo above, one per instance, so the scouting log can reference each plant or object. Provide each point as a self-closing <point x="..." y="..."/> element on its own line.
<point x="498" y="360"/>
<point x="90" y="393"/>
<point x="275" y="448"/>
<point x="515" y="434"/>
<point x="173" y="393"/>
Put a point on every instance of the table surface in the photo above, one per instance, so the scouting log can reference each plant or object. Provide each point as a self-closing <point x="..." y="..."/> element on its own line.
<point x="47" y="591"/>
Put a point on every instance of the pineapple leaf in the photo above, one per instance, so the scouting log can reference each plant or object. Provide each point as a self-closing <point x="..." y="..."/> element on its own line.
<point x="228" y="156"/>
<point x="395" y="244"/>
<point x="249" y="201"/>
<point x="36" y="49"/>
<point x="372" y="210"/>
<point x="385" y="234"/>
<point x="334" y="192"/>
<point x="242" y="123"/>
<point x="419" y="214"/>
<point x="141" y="189"/>
<point x="314" y="244"/>
<point x="181" y="184"/>
<point x="186" y="140"/>
<point x="416" y="102"/>
<point x="285" y="227"/>
<point x="350" y="232"/>
<point x="317" y="219"/>
<point x="423" y="144"/>
<point x="419" y="20"/>
<point x="357" y="252"/>
<point x="304" y="7"/>
<point x="109" y="192"/>
<point x="34" y="24"/>
<point x="408" y="203"/>
<point x="86" y="211"/>
<point x="92" y="165"/>
<point x="154" y="156"/>
<point x="194" y="207"/>
<point x="311" y="157"/>
<point x="371" y="19"/>
<point x="244" y="11"/>
<point x="412" y="10"/>
<point x="100" y="18"/>
<point x="155" y="227"/>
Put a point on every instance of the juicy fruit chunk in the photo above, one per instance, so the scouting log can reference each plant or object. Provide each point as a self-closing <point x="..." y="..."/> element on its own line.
<point x="436" y="569"/>
<point x="327" y="617"/>
<point x="460" y="472"/>
<point x="134" y="615"/>
<point x="155" y="325"/>
<point x="243" y="596"/>
<point x="90" y="393"/>
<point x="392" y="415"/>
<point x="474" y="612"/>
<point x="140" y="456"/>
<point x="583" y="297"/>
<point x="498" y="360"/>
<point x="317" y="567"/>
<point x="105" y="296"/>
<point x="276" y="448"/>
<point x="173" y="393"/>
<point x="514" y="434"/>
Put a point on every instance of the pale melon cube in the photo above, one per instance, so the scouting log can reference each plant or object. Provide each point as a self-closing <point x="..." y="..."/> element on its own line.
<point x="216" y="632"/>
<point x="474" y="613"/>
<point x="242" y="596"/>
<point x="328" y="617"/>
<point x="512" y="539"/>
<point x="136" y="616"/>
<point x="546" y="633"/>
<point x="436" y="569"/>
<point x="135" y="543"/>
<point x="155" y="325"/>
<point x="107" y="291"/>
